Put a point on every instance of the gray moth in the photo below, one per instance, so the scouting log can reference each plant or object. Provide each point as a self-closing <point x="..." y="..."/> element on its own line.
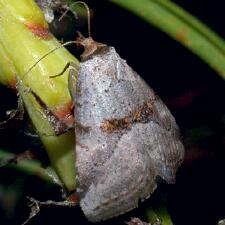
<point x="125" y="135"/>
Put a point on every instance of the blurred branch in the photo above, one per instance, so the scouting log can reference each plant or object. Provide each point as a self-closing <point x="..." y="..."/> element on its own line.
<point x="183" y="27"/>
<point x="32" y="167"/>
<point x="160" y="213"/>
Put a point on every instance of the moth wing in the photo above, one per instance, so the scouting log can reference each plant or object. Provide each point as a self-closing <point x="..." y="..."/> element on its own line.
<point x="128" y="177"/>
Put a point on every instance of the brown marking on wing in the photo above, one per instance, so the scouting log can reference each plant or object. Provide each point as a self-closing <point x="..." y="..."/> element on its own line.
<point x="141" y="115"/>
<point x="144" y="113"/>
<point x="116" y="125"/>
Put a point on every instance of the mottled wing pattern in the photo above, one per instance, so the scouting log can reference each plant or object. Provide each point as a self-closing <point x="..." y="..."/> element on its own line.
<point x="125" y="137"/>
<point x="128" y="176"/>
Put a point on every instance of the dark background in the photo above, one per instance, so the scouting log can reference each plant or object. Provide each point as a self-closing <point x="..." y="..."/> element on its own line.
<point x="194" y="93"/>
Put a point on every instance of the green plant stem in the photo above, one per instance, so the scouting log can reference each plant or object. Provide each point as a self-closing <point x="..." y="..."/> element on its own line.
<point x="31" y="167"/>
<point x="181" y="26"/>
<point x="195" y="23"/>
<point x="24" y="39"/>
<point x="160" y="213"/>
<point x="60" y="148"/>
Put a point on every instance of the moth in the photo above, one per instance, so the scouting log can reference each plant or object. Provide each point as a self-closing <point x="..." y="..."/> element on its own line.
<point x="125" y="135"/>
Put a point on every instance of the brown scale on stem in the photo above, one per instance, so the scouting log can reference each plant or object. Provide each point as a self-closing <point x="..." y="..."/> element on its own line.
<point x="39" y="31"/>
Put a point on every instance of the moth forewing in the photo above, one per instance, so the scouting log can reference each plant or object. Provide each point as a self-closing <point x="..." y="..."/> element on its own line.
<point x="126" y="136"/>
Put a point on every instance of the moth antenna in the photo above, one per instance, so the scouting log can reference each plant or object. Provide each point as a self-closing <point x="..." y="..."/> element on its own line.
<point x="67" y="43"/>
<point x="67" y="10"/>
<point x="45" y="55"/>
<point x="88" y="14"/>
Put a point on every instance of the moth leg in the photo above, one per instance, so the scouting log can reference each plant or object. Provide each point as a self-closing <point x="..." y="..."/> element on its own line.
<point x="64" y="70"/>
<point x="71" y="78"/>
<point x="69" y="65"/>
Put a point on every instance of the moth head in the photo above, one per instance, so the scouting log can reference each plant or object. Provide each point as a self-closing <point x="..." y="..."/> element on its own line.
<point x="90" y="46"/>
